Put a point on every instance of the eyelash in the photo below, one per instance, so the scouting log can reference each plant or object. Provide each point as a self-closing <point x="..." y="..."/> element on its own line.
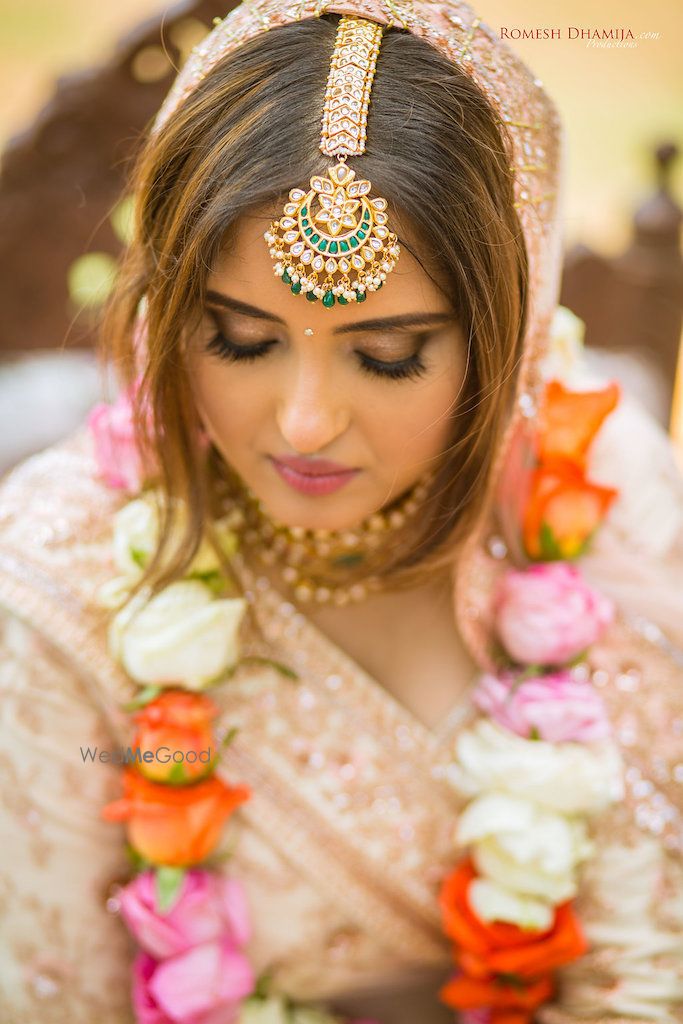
<point x="410" y="368"/>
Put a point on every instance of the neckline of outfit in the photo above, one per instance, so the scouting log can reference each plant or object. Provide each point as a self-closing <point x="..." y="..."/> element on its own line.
<point x="257" y="586"/>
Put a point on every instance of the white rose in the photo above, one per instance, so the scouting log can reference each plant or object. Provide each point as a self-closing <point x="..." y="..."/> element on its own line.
<point x="136" y="530"/>
<point x="565" y="346"/>
<point x="569" y="777"/>
<point x="263" y="1011"/>
<point x="493" y="902"/>
<point x="182" y="635"/>
<point x="136" y="536"/>
<point x="114" y="593"/>
<point x="527" y="849"/>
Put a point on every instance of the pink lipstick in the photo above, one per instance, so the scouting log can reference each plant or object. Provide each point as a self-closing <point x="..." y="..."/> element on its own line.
<point x="313" y="476"/>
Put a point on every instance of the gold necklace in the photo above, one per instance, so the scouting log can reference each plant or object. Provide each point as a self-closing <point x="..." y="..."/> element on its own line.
<point x="324" y="566"/>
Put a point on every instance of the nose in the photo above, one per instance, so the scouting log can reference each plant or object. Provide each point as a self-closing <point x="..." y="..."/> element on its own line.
<point x="311" y="411"/>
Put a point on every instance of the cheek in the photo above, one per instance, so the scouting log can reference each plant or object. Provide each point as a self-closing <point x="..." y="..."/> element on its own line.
<point x="231" y="411"/>
<point x="421" y="416"/>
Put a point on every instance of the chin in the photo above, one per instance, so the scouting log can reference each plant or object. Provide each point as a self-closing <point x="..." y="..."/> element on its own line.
<point x="314" y="513"/>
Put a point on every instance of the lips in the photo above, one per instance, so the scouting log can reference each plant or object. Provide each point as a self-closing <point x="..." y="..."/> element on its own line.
<point x="313" y="467"/>
<point x="315" y="483"/>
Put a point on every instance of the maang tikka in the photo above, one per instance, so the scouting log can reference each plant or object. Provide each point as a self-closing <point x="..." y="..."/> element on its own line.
<point x="336" y="228"/>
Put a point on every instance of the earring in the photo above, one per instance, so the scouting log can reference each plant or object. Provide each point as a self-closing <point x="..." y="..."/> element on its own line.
<point x="309" y="331"/>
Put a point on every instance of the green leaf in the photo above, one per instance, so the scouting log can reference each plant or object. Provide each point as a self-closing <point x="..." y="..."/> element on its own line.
<point x="229" y="737"/>
<point x="262" y="988"/>
<point x="285" y="670"/>
<point x="139" y="557"/>
<point x="176" y="776"/>
<point x="168" y="883"/>
<point x="577" y="659"/>
<point x="212" y="578"/>
<point x="139" y="862"/>
<point x="146" y="696"/>
<point x="513" y="980"/>
<point x="550" y="549"/>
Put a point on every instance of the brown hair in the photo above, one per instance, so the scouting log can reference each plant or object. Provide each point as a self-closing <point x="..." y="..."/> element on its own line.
<point x="247" y="135"/>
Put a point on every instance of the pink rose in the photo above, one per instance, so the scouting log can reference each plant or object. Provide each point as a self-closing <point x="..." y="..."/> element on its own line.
<point x="204" y="985"/>
<point x="209" y="906"/>
<point x="547" y="614"/>
<point x="118" y="458"/>
<point x="556" y="708"/>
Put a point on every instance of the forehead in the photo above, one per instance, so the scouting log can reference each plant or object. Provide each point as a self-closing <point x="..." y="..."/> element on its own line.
<point x="244" y="271"/>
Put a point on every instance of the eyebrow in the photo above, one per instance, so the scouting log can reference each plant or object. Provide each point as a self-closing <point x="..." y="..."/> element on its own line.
<point x="401" y="320"/>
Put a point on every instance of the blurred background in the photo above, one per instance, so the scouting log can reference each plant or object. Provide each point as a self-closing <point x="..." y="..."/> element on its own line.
<point x="79" y="81"/>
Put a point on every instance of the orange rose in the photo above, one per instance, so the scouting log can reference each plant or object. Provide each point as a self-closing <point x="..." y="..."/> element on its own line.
<point x="569" y="420"/>
<point x="563" y="510"/>
<point x="174" y="825"/>
<point x="176" y="729"/>
<point x="509" y="1003"/>
<point x="497" y="950"/>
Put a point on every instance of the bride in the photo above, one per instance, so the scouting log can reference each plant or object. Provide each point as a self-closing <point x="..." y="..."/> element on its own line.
<point x="342" y="654"/>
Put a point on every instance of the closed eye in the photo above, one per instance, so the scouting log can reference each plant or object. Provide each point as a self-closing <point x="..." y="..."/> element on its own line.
<point x="411" y="367"/>
<point x="226" y="349"/>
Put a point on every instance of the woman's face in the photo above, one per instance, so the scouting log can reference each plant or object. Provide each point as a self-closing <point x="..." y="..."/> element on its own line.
<point x="371" y="386"/>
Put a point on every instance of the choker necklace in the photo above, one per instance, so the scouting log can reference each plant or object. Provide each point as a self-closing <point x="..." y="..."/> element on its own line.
<point x="318" y="565"/>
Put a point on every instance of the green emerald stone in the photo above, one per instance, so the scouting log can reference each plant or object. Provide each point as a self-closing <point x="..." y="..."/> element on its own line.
<point x="362" y="234"/>
<point x="328" y="299"/>
<point x="334" y="247"/>
<point x="315" y="238"/>
<point x="353" y="242"/>
<point x="349" y="560"/>
<point x="296" y="287"/>
<point x="361" y="297"/>
<point x="342" y="301"/>
<point x="308" y="231"/>
<point x="323" y="245"/>
<point x="380" y="285"/>
<point x="304" y="211"/>
<point x="286" y="278"/>
<point x="344" y="246"/>
<point x="311" y="297"/>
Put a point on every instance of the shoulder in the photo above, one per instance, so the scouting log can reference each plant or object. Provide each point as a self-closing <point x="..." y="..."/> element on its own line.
<point x="56" y="515"/>
<point x="56" y="521"/>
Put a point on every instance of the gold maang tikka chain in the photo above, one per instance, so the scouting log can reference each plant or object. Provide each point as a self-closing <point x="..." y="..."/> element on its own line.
<point x="332" y="242"/>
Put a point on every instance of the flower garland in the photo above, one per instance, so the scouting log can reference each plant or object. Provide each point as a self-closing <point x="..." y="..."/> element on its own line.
<point x="536" y="767"/>
<point x="542" y="761"/>
<point x="188" y="918"/>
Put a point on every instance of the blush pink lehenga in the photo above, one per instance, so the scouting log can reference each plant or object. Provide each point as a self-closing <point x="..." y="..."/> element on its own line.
<point x="349" y="830"/>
